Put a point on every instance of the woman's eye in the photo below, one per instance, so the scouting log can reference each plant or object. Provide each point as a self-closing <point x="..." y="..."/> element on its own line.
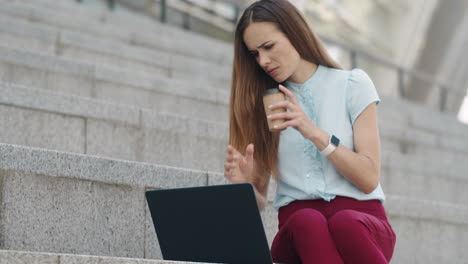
<point x="269" y="47"/>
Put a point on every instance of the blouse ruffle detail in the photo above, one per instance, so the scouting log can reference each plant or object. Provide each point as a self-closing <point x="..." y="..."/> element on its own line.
<point x="313" y="164"/>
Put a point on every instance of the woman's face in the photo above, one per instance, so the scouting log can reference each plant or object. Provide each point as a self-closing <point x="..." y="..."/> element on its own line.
<point x="272" y="50"/>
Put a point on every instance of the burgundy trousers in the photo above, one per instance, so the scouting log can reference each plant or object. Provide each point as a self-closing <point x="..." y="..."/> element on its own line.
<point x="343" y="230"/>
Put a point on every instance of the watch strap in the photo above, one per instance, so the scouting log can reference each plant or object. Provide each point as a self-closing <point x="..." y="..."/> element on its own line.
<point x="331" y="146"/>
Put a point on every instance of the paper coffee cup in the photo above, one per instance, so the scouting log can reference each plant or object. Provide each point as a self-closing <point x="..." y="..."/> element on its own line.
<point x="272" y="96"/>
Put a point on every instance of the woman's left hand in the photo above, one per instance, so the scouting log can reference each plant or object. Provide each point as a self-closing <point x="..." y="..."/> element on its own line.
<point x="295" y="117"/>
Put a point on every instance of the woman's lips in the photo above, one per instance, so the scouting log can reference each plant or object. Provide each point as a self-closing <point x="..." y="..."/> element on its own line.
<point x="273" y="72"/>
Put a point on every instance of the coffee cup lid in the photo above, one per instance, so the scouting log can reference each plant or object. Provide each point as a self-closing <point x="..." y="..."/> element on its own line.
<point x="271" y="91"/>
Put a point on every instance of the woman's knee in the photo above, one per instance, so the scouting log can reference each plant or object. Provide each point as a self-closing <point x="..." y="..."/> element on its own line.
<point x="305" y="219"/>
<point x="347" y="224"/>
<point x="301" y="226"/>
<point x="355" y="232"/>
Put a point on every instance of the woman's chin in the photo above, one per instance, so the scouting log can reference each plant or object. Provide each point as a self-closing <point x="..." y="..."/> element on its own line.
<point x="279" y="79"/>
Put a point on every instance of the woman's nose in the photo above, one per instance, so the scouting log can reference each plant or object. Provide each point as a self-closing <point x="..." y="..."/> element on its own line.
<point x="263" y="60"/>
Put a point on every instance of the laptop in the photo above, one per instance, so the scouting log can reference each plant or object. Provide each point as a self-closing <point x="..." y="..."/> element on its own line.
<point x="213" y="224"/>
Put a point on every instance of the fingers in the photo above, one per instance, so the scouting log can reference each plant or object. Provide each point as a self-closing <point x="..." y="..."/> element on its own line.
<point x="228" y="168"/>
<point x="284" y="115"/>
<point x="233" y="155"/>
<point x="232" y="161"/>
<point x="288" y="94"/>
<point x="284" y="104"/>
<point x="232" y="151"/>
<point x="235" y="159"/>
<point x="289" y="123"/>
<point x="290" y="104"/>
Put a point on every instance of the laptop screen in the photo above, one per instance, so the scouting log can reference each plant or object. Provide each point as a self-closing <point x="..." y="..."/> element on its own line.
<point x="214" y="224"/>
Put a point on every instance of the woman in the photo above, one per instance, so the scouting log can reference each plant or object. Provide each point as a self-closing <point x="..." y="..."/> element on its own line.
<point x="326" y="159"/>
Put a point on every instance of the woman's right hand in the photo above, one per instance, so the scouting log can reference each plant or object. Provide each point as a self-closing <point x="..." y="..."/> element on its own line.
<point x="239" y="168"/>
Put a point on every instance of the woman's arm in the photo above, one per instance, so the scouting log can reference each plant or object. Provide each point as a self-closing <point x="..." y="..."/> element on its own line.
<point x="362" y="166"/>
<point x="261" y="194"/>
<point x="240" y="169"/>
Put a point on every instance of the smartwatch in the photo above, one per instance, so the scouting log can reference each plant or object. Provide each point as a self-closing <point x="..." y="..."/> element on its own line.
<point x="333" y="143"/>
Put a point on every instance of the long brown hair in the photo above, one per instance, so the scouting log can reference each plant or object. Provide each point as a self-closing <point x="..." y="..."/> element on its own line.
<point x="248" y="123"/>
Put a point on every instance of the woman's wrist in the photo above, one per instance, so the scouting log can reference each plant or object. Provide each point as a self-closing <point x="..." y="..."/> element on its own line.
<point x="261" y="200"/>
<point x="320" y="138"/>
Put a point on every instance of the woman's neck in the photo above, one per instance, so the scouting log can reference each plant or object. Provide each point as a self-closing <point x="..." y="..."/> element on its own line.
<point x="304" y="71"/>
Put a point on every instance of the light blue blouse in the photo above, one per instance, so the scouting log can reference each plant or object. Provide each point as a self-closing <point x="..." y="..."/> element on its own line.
<point x="332" y="99"/>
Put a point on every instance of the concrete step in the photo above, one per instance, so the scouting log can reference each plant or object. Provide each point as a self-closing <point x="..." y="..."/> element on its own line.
<point x="141" y="23"/>
<point x="65" y="122"/>
<point x="82" y="204"/>
<point x="99" y="50"/>
<point x="407" y="113"/>
<point x="25" y="257"/>
<point x="417" y="141"/>
<point x="18" y="8"/>
<point x="69" y="123"/>
<point x="412" y="115"/>
<point x="406" y="133"/>
<point x="395" y="137"/>
<point x="133" y="29"/>
<point x="428" y="231"/>
<point x="424" y="177"/>
<point x="410" y="128"/>
<point x="128" y="87"/>
<point x="99" y="13"/>
<point x="26" y="35"/>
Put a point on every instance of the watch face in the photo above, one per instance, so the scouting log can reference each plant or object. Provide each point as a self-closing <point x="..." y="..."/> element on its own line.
<point x="335" y="141"/>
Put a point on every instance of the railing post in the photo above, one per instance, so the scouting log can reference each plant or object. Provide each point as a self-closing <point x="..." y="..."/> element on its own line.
<point x="163" y="11"/>
<point x="236" y="14"/>
<point x="149" y="7"/>
<point x="401" y="83"/>
<point x="353" y="59"/>
<point x="186" y="22"/>
<point x="443" y="98"/>
<point x="111" y="4"/>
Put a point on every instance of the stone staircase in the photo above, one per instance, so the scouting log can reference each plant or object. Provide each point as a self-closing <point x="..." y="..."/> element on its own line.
<point x="98" y="107"/>
<point x="9" y="256"/>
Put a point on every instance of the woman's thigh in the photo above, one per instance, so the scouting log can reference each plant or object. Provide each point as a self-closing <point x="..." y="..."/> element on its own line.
<point x="304" y="238"/>
<point x="351" y="227"/>
<point x="287" y="211"/>
<point x="361" y="237"/>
